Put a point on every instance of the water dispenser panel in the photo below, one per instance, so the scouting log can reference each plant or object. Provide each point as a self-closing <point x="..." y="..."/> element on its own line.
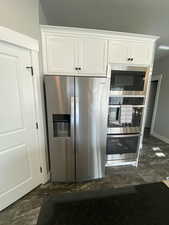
<point x="61" y="125"/>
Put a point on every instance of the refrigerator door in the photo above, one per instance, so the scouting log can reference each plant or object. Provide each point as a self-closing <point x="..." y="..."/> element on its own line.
<point x="60" y="117"/>
<point x="90" y="127"/>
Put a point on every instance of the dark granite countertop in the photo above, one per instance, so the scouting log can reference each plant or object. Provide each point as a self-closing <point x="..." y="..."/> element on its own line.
<point x="137" y="205"/>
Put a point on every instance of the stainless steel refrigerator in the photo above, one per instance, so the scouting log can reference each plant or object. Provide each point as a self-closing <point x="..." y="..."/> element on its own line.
<point x="77" y="126"/>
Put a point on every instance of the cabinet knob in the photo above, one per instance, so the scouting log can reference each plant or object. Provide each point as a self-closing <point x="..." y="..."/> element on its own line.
<point x="78" y="68"/>
<point x="130" y="59"/>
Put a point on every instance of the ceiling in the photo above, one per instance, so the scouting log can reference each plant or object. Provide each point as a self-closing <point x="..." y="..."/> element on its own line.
<point x="137" y="16"/>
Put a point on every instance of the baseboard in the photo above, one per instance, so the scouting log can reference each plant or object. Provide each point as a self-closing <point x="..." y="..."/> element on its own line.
<point x="162" y="138"/>
<point x="46" y="178"/>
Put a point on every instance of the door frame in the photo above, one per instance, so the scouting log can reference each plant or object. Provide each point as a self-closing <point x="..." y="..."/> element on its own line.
<point x="24" y="41"/>
<point x="157" y="78"/>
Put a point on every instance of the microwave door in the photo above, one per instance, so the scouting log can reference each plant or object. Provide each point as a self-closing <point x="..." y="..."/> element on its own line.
<point x="128" y="80"/>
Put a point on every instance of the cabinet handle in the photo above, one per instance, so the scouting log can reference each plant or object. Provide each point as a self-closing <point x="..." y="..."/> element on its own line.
<point x="130" y="59"/>
<point x="78" y="68"/>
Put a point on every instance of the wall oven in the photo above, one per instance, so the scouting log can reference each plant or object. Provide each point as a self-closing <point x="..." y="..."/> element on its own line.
<point x="125" y="115"/>
<point x="122" y="147"/>
<point x="127" y="92"/>
<point x="128" y="80"/>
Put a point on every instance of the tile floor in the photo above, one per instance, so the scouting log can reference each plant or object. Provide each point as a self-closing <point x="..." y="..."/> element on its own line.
<point x="150" y="169"/>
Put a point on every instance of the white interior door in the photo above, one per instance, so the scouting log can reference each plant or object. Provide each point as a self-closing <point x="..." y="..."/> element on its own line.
<point x="19" y="160"/>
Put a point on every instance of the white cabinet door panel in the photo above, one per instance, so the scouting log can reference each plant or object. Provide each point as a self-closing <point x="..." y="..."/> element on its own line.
<point x="92" y="56"/>
<point x="140" y="52"/>
<point x="19" y="159"/>
<point x="129" y="52"/>
<point x="61" y="54"/>
<point x="118" y="52"/>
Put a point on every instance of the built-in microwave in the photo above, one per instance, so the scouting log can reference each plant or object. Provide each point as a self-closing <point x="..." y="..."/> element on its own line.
<point x="128" y="80"/>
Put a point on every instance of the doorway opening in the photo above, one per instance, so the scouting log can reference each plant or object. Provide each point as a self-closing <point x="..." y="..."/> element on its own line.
<point x="152" y="104"/>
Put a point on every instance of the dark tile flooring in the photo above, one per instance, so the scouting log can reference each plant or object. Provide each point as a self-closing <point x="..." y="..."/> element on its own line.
<point x="150" y="169"/>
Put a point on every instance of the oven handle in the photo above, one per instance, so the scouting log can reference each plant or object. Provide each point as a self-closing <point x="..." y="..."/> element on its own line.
<point x="123" y="135"/>
<point x="118" y="106"/>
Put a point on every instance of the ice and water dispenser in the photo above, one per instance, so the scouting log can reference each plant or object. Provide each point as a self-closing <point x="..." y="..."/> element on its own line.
<point x="61" y="125"/>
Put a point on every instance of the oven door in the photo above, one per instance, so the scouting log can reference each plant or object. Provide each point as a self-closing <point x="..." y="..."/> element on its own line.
<point x="117" y="126"/>
<point x="122" y="147"/>
<point x="128" y="80"/>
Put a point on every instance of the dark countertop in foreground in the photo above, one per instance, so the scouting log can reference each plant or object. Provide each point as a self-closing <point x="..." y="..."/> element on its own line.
<point x="143" y="204"/>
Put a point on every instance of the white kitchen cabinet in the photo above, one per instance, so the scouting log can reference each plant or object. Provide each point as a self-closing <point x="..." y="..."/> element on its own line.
<point x="130" y="52"/>
<point x="60" y="55"/>
<point x="65" y="55"/>
<point x="140" y="52"/>
<point x="92" y="56"/>
<point x="118" y="52"/>
<point x="86" y="52"/>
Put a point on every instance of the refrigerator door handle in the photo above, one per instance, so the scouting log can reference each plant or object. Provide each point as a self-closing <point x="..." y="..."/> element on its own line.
<point x="72" y="120"/>
<point x="77" y="122"/>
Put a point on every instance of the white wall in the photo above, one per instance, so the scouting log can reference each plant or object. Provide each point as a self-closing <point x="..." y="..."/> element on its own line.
<point x="42" y="17"/>
<point x="42" y="21"/>
<point x="24" y="17"/>
<point x="162" y="118"/>
<point x="21" y="16"/>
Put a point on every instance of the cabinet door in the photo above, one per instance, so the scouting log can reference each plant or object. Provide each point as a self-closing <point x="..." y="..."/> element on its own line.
<point x="92" y="56"/>
<point x="140" y="53"/>
<point x="60" y="55"/>
<point x="118" y="52"/>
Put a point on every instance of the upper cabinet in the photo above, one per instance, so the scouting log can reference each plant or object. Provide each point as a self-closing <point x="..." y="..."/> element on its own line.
<point x="118" y="52"/>
<point x="130" y="52"/>
<point x="84" y="52"/>
<point x="140" y="52"/>
<point x="92" y="56"/>
<point x="60" y="55"/>
<point x="65" y="55"/>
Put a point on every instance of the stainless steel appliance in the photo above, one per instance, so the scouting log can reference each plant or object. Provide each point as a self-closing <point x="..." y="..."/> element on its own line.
<point x="77" y="124"/>
<point x="115" y="125"/>
<point x="127" y="92"/>
<point x="122" y="147"/>
<point x="128" y="80"/>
